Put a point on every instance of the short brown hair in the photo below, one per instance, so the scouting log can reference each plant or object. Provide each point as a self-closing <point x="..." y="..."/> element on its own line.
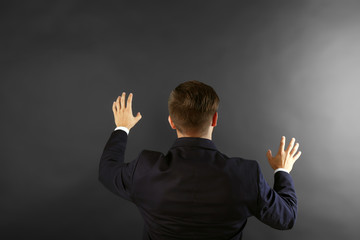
<point x="192" y="105"/>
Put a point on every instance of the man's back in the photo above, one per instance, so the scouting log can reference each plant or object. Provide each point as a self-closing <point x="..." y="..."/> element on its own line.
<point x="196" y="192"/>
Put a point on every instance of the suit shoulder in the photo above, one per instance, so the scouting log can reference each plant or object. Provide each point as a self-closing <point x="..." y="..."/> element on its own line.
<point x="147" y="159"/>
<point x="150" y="156"/>
<point x="245" y="162"/>
<point x="150" y="153"/>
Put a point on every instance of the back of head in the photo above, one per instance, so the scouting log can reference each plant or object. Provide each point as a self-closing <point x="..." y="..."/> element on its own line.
<point x="192" y="105"/>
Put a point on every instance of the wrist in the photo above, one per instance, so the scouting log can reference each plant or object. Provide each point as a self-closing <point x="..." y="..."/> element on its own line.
<point x="125" y="129"/>
<point x="281" y="169"/>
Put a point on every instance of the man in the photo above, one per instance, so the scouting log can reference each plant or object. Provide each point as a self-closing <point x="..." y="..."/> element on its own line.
<point x="195" y="191"/>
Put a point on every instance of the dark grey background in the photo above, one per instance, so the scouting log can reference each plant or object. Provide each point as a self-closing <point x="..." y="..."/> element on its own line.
<point x="280" y="68"/>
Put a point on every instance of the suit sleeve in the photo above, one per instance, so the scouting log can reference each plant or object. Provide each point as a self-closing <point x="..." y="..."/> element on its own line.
<point x="114" y="173"/>
<point x="277" y="207"/>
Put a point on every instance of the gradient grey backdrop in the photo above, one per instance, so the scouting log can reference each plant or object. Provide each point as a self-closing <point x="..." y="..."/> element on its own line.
<point x="280" y="68"/>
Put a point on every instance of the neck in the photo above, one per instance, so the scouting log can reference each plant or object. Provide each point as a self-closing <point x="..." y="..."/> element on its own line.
<point x="208" y="135"/>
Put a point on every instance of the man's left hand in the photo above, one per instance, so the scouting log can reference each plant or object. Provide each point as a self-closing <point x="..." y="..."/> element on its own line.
<point x="123" y="115"/>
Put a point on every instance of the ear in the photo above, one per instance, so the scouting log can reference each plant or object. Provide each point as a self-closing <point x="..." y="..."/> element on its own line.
<point x="172" y="125"/>
<point x="214" y="119"/>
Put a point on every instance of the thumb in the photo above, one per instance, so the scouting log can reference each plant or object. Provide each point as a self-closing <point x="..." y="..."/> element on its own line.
<point x="138" y="117"/>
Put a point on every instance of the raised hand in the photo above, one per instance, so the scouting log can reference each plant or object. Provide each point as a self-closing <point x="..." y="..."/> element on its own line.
<point x="284" y="158"/>
<point x="123" y="114"/>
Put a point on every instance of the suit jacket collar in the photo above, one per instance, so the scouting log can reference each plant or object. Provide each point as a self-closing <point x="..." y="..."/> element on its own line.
<point x="194" y="142"/>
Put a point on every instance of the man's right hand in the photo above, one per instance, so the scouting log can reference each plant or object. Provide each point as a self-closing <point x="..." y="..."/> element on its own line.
<point x="123" y="115"/>
<point x="284" y="158"/>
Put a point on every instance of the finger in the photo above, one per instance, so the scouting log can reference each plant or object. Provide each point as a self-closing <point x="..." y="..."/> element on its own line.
<point x="114" y="107"/>
<point x="122" y="100"/>
<point x="297" y="156"/>
<point x="294" y="150"/>
<point x="291" y="145"/>
<point x="129" y="102"/>
<point x="269" y="155"/>
<point x="282" y="144"/>
<point x="118" y="103"/>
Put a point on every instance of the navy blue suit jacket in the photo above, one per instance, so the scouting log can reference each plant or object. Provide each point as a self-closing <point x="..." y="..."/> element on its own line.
<point x="195" y="191"/>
